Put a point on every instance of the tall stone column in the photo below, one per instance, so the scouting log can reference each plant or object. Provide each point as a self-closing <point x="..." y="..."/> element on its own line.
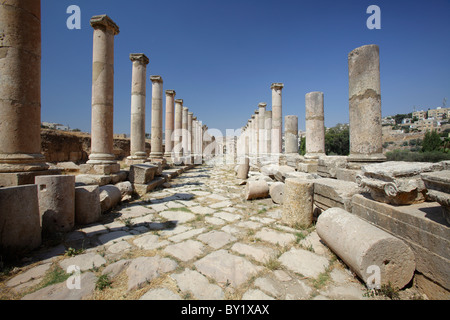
<point x="291" y="134"/>
<point x="189" y="137"/>
<point x="315" y="128"/>
<point x="184" y="138"/>
<point x="268" y="130"/>
<point x="262" y="130"/>
<point x="102" y="135"/>
<point x="169" y="141"/>
<point x="256" y="121"/>
<point x="156" y="153"/>
<point x="277" y="120"/>
<point x="138" y="93"/>
<point x="177" y="145"/>
<point x="20" y="88"/>
<point x="365" y="105"/>
<point x="252" y="136"/>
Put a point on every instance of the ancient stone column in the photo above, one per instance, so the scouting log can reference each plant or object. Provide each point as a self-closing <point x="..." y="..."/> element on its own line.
<point x="277" y="118"/>
<point x="315" y="128"/>
<point x="291" y="134"/>
<point x="298" y="202"/>
<point x="252" y="136"/>
<point x="156" y="153"/>
<point x="20" y="87"/>
<point x="190" y="119"/>
<point x="261" y="126"/>
<point x="365" y="105"/>
<point x="184" y="138"/>
<point x="169" y="141"/>
<point x="256" y="133"/>
<point x="177" y="144"/>
<point x="268" y="130"/>
<point x="138" y="93"/>
<point x="102" y="135"/>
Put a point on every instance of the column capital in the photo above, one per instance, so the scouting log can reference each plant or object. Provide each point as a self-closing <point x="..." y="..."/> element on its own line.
<point x="179" y="101"/>
<point x="140" y="57"/>
<point x="262" y="105"/>
<point x="190" y="114"/>
<point x="104" y="21"/>
<point x="171" y="93"/>
<point x="194" y="118"/>
<point x="185" y="109"/>
<point x="277" y="86"/>
<point x="156" y="79"/>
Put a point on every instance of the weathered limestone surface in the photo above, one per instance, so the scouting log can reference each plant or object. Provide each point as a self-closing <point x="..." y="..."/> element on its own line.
<point x="363" y="246"/>
<point x="142" y="173"/>
<point x="56" y="203"/>
<point x="396" y="182"/>
<point x="277" y="118"/>
<point x="276" y="192"/>
<point x="421" y="226"/>
<point x="365" y="105"/>
<point x="109" y="196"/>
<point x="242" y="172"/>
<point x="87" y="205"/>
<point x="328" y="166"/>
<point x="20" y="221"/>
<point x="298" y="201"/>
<point x="329" y="193"/>
<point x="170" y="123"/>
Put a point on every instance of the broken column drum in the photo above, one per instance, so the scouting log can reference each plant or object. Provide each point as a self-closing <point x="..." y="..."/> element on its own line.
<point x="366" y="143"/>
<point x="298" y="202"/>
<point x="20" y="87"/>
<point x="291" y="134"/>
<point x="138" y="92"/>
<point x="366" y="249"/>
<point x="102" y="136"/>
<point x="315" y="129"/>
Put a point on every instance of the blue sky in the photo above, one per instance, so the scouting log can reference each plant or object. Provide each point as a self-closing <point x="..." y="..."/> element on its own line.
<point x="222" y="56"/>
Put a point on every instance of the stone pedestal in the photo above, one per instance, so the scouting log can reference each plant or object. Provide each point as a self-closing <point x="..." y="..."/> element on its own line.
<point x="315" y="129"/>
<point x="138" y="93"/>
<point x="102" y="135"/>
<point x="56" y="203"/>
<point x="20" y="87"/>
<point x="170" y="125"/>
<point x="20" y="222"/>
<point x="365" y="105"/>
<point x="277" y="118"/>
<point x="87" y="205"/>
<point x="157" y="119"/>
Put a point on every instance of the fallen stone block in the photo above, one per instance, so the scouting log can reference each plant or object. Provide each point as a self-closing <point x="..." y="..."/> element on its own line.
<point x="142" y="173"/>
<point x="142" y="189"/>
<point x="20" y="222"/>
<point x="87" y="205"/>
<point x="281" y="171"/>
<point x="396" y="182"/>
<point x="329" y="193"/>
<point x="256" y="190"/>
<point x="327" y="165"/>
<point x="376" y="256"/>
<point x="298" y="202"/>
<point x="92" y="179"/>
<point x="126" y="190"/>
<point x="56" y="203"/>
<point x="438" y="190"/>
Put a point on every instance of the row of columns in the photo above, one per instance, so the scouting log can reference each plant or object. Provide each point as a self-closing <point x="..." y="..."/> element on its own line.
<point x="20" y="102"/>
<point x="364" y="109"/>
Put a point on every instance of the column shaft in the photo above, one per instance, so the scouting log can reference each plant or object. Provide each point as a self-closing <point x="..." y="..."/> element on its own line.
<point x="157" y="118"/>
<point x="277" y="120"/>
<point x="169" y="139"/>
<point x="315" y="129"/>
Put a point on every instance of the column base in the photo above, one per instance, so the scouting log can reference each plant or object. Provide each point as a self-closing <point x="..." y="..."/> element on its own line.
<point x="13" y="163"/>
<point x="99" y="168"/>
<point x="357" y="161"/>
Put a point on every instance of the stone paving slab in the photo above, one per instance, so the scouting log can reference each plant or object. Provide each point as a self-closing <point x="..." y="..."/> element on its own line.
<point x="198" y="239"/>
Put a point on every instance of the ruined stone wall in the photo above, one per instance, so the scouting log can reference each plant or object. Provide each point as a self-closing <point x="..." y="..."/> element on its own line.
<point x="59" y="146"/>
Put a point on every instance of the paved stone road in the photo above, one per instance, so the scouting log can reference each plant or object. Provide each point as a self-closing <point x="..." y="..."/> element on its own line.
<point x="196" y="240"/>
